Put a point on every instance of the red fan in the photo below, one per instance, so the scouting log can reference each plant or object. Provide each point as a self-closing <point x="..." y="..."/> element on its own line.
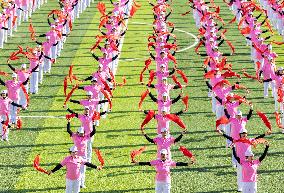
<point x="176" y="81"/>
<point x="269" y="26"/>
<point x="278" y="43"/>
<point x="243" y="140"/>
<point x="150" y="44"/>
<point x="133" y="10"/>
<point x="100" y="157"/>
<point x="198" y="46"/>
<point x="278" y="121"/>
<point x="171" y="57"/>
<point x="148" y="118"/>
<point x="135" y="153"/>
<point x="99" y="39"/>
<point x="151" y="77"/>
<point x="148" y="62"/>
<point x="170" y="24"/>
<point x="230" y="73"/>
<point x="221" y="121"/>
<point x="96" y="116"/>
<point x="258" y="141"/>
<point x="103" y="21"/>
<point x="36" y="165"/>
<point x="136" y="4"/>
<point x="14" y="56"/>
<point x="69" y="116"/>
<point x="206" y="61"/>
<point x="185" y="79"/>
<point x="113" y="46"/>
<point x="245" y="30"/>
<point x="143" y="96"/>
<point x="32" y="30"/>
<point x="280" y="95"/>
<point x="222" y="83"/>
<point x="265" y="120"/>
<point x="249" y="76"/>
<point x="70" y="25"/>
<point x="210" y="74"/>
<point x="3" y="73"/>
<point x="235" y="97"/>
<point x="185" y="151"/>
<point x="106" y="86"/>
<point x="141" y="74"/>
<point x="233" y="20"/>
<point x="231" y="46"/>
<point x="19" y="124"/>
<point x="123" y="81"/>
<point x="171" y="46"/>
<point x="185" y="102"/>
<point x="65" y="86"/>
<point x="202" y="31"/>
<point x="70" y="73"/>
<point x="176" y="119"/>
<point x="102" y="8"/>
<point x="183" y="14"/>
<point x="70" y="94"/>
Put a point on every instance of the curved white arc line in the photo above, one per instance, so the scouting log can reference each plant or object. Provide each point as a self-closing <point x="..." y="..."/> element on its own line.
<point x="188" y="33"/>
<point x="191" y="46"/>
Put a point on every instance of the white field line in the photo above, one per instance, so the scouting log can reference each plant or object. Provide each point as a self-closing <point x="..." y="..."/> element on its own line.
<point x="42" y="117"/>
<point x="122" y="39"/>
<point x="188" y="33"/>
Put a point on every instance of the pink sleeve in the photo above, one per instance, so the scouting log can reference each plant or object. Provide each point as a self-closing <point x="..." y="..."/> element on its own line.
<point x="95" y="103"/>
<point x="64" y="162"/>
<point x="155" y="140"/>
<point x="83" y="161"/>
<point x="86" y="88"/>
<point x="153" y="163"/>
<point x="257" y="162"/>
<point x="172" y="140"/>
<point x="173" y="164"/>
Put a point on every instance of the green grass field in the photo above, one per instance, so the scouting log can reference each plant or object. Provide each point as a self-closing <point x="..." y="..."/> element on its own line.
<point x="120" y="133"/>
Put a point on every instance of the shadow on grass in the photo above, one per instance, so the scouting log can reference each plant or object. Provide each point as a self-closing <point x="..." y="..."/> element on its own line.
<point x="33" y="145"/>
<point x="32" y="190"/>
<point x="121" y="191"/>
<point x="218" y="191"/>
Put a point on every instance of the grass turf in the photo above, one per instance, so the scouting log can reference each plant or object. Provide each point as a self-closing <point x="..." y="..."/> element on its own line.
<point x="119" y="133"/>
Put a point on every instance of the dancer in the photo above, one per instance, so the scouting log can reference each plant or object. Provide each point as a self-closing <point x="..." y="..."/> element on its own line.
<point x="162" y="166"/>
<point x="249" y="169"/>
<point x="73" y="164"/>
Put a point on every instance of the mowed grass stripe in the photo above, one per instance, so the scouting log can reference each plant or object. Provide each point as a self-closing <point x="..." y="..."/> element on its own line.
<point x="14" y="153"/>
<point x="214" y="163"/>
<point x="56" y="150"/>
